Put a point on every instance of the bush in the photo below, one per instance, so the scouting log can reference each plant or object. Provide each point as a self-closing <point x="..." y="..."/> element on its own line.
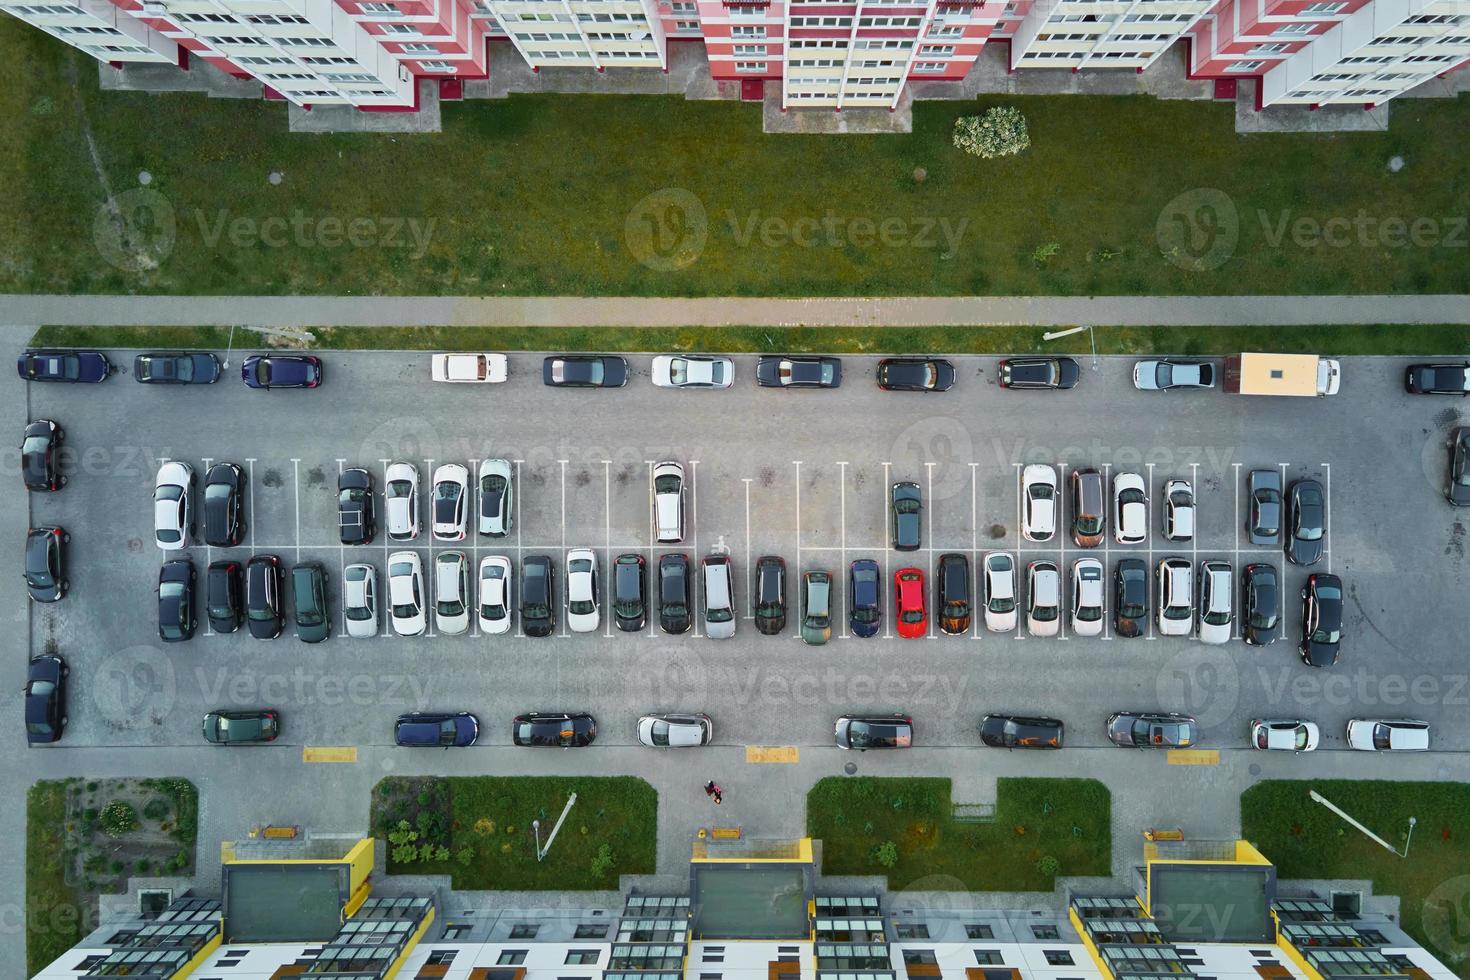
<point x="402" y="835"/>
<point x="156" y="809"/>
<point x="441" y="853"/>
<point x="1049" y="866"/>
<point x="1001" y="132"/>
<point x="119" y="817"/>
<point x="405" y="854"/>
<point x="603" y="862"/>
<point x="484" y="826"/>
<point x="142" y="867"/>
<point x="886" y="854"/>
<point x="464" y="856"/>
<point x="115" y="867"/>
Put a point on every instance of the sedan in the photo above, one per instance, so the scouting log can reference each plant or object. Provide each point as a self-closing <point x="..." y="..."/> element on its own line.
<point x="496" y="594"/>
<point x="1215" y="597"/>
<point x="1000" y="592"/>
<point x="406" y="593"/>
<point x="1039" y="372"/>
<point x="468" y="368"/>
<point x="173" y="510"/>
<point x="1457" y="490"/>
<point x="451" y="592"/>
<point x="176" y="620"/>
<point x="401" y="501"/>
<point x="224" y="505"/>
<point x="673" y="593"/>
<point x="360" y="600"/>
<point x="1174" y="597"/>
<point x="1166" y="375"/>
<point x="1284" y="735"/>
<point x="1264" y="489"/>
<point x="1260" y="604"/>
<point x="915" y="374"/>
<point x="309" y="596"/>
<point x="45" y="696"/>
<point x="497" y="497"/>
<point x="554" y="729"/>
<point x="1017" y="732"/>
<point x="223" y="603"/>
<point x="1130" y="509"/>
<point x="1152" y="730"/>
<point x="45" y="563"/>
<point x="436" y="729"/>
<point x="864" y="598"/>
<point x="1130" y="597"/>
<point x="1087" y="597"/>
<point x="675" y="731"/>
<point x="538" y="595"/>
<point x="1321" y="620"/>
<point x="816" y="607"/>
<point x="630" y="592"/>
<point x="906" y="502"/>
<point x="1043" y="598"/>
<point x="281" y="371"/>
<point x="264" y="582"/>
<point x="451" y="496"/>
<point x="908" y="603"/>
<point x="357" y="521"/>
<point x="1438" y="379"/>
<point x="40" y="465"/>
<point x="1387" y="735"/>
<point x="1039" y="502"/>
<point x="895" y="731"/>
<point x="684" y="371"/>
<point x="584" y="593"/>
<point x="176" y="368"/>
<point x="952" y="593"/>
<point x="770" y="595"/>
<point x="1306" y="519"/>
<point x="241" y="727"/>
<point x="1178" y="511"/>
<point x="584" y="371"/>
<point x="68" y="366"/>
<point x="798" y="372"/>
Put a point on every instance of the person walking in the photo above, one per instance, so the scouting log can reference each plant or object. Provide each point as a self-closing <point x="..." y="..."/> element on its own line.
<point x="712" y="790"/>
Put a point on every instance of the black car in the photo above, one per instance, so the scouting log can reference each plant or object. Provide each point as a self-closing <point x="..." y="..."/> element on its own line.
<point x="264" y="583"/>
<point x="176" y="368"/>
<point x="68" y="366"/>
<point x="45" y="693"/>
<point x="864" y="598"/>
<point x="39" y="463"/>
<point x="46" y="563"/>
<point x="1306" y="519"/>
<point x="895" y="731"/>
<point x="1264" y="489"/>
<point x="309" y="599"/>
<point x="554" y="729"/>
<point x="176" y="619"/>
<point x="1152" y="730"/>
<point x="907" y="504"/>
<point x="798" y="372"/>
<point x="1039" y="372"/>
<point x="915" y="374"/>
<point x="584" y="371"/>
<point x="630" y="593"/>
<point x="281" y="371"/>
<point x="357" y="522"/>
<point x="538" y="595"/>
<point x="241" y="727"/>
<point x="770" y="595"/>
<point x="673" y="593"/>
<point x="222" y="596"/>
<point x="1260" y="594"/>
<point x="1017" y="732"/>
<point x="1130" y="597"/>
<point x="1457" y="491"/>
<point x="433" y="729"/>
<point x="1321" y="620"/>
<point x="952" y="593"/>
<point x="224" y="505"/>
<point x="1438" y="379"/>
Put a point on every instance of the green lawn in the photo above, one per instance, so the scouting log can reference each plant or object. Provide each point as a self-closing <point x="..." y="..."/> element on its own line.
<point x="534" y="195"/>
<point x="54" y="910"/>
<point x="1306" y="840"/>
<point x="1035" y="819"/>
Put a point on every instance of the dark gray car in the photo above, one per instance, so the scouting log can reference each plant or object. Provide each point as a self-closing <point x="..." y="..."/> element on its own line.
<point x="908" y="516"/>
<point x="1306" y="520"/>
<point x="1263" y="489"/>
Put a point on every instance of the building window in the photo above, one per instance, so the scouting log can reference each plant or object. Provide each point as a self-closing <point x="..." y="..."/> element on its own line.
<point x="750" y="66"/>
<point x="511" y="957"/>
<point x="1292" y="30"/>
<point x="419" y="47"/>
<point x="912" y="957"/>
<point x="406" y="30"/>
<point x="937" y="50"/>
<point x="988" y="957"/>
<point x="1324" y="8"/>
<point x="686" y="25"/>
<point x="440" y="957"/>
<point x="747" y="32"/>
<point x="910" y="930"/>
<point x="448" y="69"/>
<point x="90" y="962"/>
<point x="927" y="66"/>
<point x="590" y="930"/>
<point x="978" y="930"/>
<point x="381" y="9"/>
<point x="1268" y="49"/>
<point x="1058" y="957"/>
<point x="523" y="930"/>
<point x="1241" y="66"/>
<point x="1045" y="932"/>
<point x="581" y="957"/>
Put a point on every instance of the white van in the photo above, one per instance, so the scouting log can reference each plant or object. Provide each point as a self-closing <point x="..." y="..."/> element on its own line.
<point x="668" y="502"/>
<point x="719" y="597"/>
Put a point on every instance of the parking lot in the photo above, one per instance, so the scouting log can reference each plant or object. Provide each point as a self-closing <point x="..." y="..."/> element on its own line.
<point x="803" y="475"/>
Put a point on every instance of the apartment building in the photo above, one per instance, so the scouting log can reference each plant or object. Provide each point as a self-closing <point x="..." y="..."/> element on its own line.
<point x="97" y="28"/>
<point x="1080" y="34"/>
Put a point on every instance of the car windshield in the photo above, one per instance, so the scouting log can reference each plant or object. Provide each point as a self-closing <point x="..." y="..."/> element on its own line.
<point x="906" y="505"/>
<point x="351" y="495"/>
<point x="398" y="488"/>
<point x="446" y="498"/>
<point x="721" y="614"/>
<point x="659" y="733"/>
<point x="171" y="590"/>
<point x="1382" y="737"/>
<point x="1089" y="524"/>
<point x="866" y="616"/>
<point x="667" y="483"/>
<point x="35" y="444"/>
<point x="913" y="616"/>
<point x="1164" y="375"/>
<point x="1089" y="614"/>
<point x="628" y="608"/>
<point x="581" y="607"/>
<point x="589" y="372"/>
<point x="863" y="735"/>
<point x="42" y="688"/>
<point x="491" y="489"/>
<point x="263" y="371"/>
<point x="450" y="607"/>
<point x="1217" y="617"/>
<point x="1039" y="491"/>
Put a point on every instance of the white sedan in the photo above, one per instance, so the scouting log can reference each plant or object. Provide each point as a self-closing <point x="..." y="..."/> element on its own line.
<point x="406" y="593"/>
<point x="451" y="502"/>
<point x="1388" y="735"/>
<point x="495" y="594"/>
<point x="582" y="597"/>
<point x="1000" y="592"/>
<point x="1087" y="597"/>
<point x="1130" y="509"/>
<point x="401" y="501"/>
<point x="173" y="511"/>
<point x="681" y="371"/>
<point x="451" y="592"/>
<point x="1039" y="502"/>
<point x="360" y="600"/>
<point x="1283" y="735"/>
<point x="468" y="368"/>
<point x="675" y="731"/>
<point x="1043" y="598"/>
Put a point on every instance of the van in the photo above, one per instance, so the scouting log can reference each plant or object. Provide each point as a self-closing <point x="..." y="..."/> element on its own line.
<point x="668" y="502"/>
<point x="309" y="593"/>
<point x="719" y="597"/>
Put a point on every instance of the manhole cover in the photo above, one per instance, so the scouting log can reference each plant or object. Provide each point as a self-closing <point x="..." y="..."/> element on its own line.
<point x="135" y="544"/>
<point x="1255" y="770"/>
<point x="145" y="178"/>
<point x="850" y="768"/>
<point x="275" y="178"/>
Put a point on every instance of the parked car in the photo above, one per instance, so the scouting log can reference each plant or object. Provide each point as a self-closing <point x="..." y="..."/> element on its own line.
<point x="816" y="607"/>
<point x="497" y="497"/>
<point x="1130" y="597"/>
<point x="668" y="502"/>
<point x="309" y="597"/>
<point x="281" y="371"/>
<point x="1130" y="509"/>
<point x="1260" y="604"/>
<point x="554" y="729"/>
<point x="40" y="446"/>
<point x="360" y="600"/>
<point x="864" y="598"/>
<point x="1088" y="510"/>
<point x="1321" y="620"/>
<point x="675" y="731"/>
<point x="1264" y="490"/>
<point x="584" y="371"/>
<point x="45" y="696"/>
<point x="863" y="732"/>
<point x="432" y="729"/>
<point x="468" y="368"/>
<point x="1152" y="730"/>
<point x="67" y="366"/>
<point x="224" y="505"/>
<point x="452" y="592"/>
<point x="451" y="502"/>
<point x="1457" y="488"/>
<point x="406" y="598"/>
<point x="356" y="520"/>
<point x="952" y="593"/>
<point x="630" y="593"/>
<point x="584" y="592"/>
<point x="770" y="595"/>
<point x="906" y="502"/>
<point x="265" y="580"/>
<point x="1043" y="598"/>
<point x="401" y="501"/>
<point x="1039" y="502"/>
<point x="1388" y="735"/>
<point x="241" y="727"/>
<point x="1019" y="732"/>
<point x="1284" y="735"/>
<point x="908" y="603"/>
<point x="1087" y="597"/>
<point x="688" y="371"/>
<point x="798" y="372"/>
<point x="1178" y="511"/>
<point x="1175" y="597"/>
<point x="1038" y="372"/>
<point x="1438" y="379"/>
<point x="223" y="599"/>
<point x="176" y="620"/>
<point x="673" y="593"/>
<point x="1166" y="375"/>
<point x="173" y="507"/>
<point x="717" y="579"/>
<point x="915" y="374"/>
<point x="1215" y="597"/>
<point x="538" y="595"/>
<point x="176" y="368"/>
<point x="45" y="563"/>
<point x="1000" y="592"/>
<point x="497" y="595"/>
<point x="1306" y="519"/>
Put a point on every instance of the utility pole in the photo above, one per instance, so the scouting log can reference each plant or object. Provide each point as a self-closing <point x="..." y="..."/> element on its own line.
<point x="1319" y="798"/>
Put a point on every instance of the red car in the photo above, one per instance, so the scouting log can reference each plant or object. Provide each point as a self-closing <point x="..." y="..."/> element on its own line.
<point x="908" y="595"/>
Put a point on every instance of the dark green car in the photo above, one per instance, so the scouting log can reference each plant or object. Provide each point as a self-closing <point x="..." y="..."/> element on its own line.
<point x="309" y="593"/>
<point x="241" y="727"/>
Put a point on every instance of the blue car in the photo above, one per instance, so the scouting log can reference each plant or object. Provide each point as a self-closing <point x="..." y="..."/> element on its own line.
<point x="281" y="371"/>
<point x="864" y="607"/>
<point x="420" y="728"/>
<point x="70" y="366"/>
<point x="176" y="368"/>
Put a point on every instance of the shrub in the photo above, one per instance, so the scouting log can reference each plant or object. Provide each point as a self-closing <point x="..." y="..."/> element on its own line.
<point x="484" y="826"/>
<point x="119" y="817"/>
<point x="886" y="854"/>
<point x="403" y="835"/>
<point x="441" y="853"/>
<point x="1044" y="253"/>
<point x="405" y="854"/>
<point x="603" y="862"/>
<point x="1000" y="132"/>
<point x="115" y="867"/>
<point x="464" y="856"/>
<point x="142" y="867"/>
<point x="156" y="809"/>
<point x="1049" y="866"/>
<point x="426" y="852"/>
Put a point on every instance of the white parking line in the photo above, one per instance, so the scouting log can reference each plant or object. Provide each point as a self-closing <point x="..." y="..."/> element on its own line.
<point x="656" y="595"/>
<point x="842" y="567"/>
<point x="296" y="489"/>
<point x="563" y="557"/>
<point x="884" y="588"/>
<point x="749" y="569"/>
<point x="208" y="629"/>
<point x="607" y="539"/>
<point x="929" y="538"/>
<point x="1327" y="528"/>
<point x="341" y="559"/>
<point x="472" y="517"/>
<point x="1018" y="574"/>
<point x="975" y="614"/>
<point x="383" y="599"/>
<point x="1281" y="585"/>
<point x="1062" y="533"/>
<point x="698" y="569"/>
<point x="1109" y="574"/>
<point x="250" y="482"/>
<point x="1239" y="573"/>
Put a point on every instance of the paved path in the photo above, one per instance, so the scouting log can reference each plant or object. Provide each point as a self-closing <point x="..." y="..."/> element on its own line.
<point x="618" y="311"/>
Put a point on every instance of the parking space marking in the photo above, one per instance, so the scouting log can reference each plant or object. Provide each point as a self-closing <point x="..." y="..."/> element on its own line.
<point x="1235" y="519"/>
<point x="296" y="493"/>
<point x="975" y="615"/>
<point x="472" y="516"/>
<point x="563" y="559"/>
<point x="1194" y="757"/>
<point x="607" y="537"/>
<point x="1149" y="568"/>
<point x="698" y="569"/>
<point x="842" y="566"/>
<point x="1281" y="586"/>
<point x="250" y="482"/>
<point x="329" y="753"/>
<point x="656" y="597"/>
<point x="1018" y="576"/>
<point x="341" y="557"/>
<point x="749" y="570"/>
<point x="1327" y="528"/>
<point x="387" y="613"/>
<point x="1062" y="533"/>
<point x="883" y="586"/>
<point x="929" y="539"/>
<point x="787" y="754"/>
<point x="208" y="553"/>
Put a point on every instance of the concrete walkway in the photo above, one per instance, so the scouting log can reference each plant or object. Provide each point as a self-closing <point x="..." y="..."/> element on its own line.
<point x="616" y="311"/>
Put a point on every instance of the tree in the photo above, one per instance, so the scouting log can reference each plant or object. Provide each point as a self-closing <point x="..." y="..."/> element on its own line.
<point x="1001" y="132"/>
<point x="887" y="854"/>
<point x="603" y="862"/>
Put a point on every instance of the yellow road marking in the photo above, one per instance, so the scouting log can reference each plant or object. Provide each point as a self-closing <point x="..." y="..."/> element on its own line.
<point x="1194" y="757"/>
<point x="329" y="753"/>
<point x="772" y="753"/>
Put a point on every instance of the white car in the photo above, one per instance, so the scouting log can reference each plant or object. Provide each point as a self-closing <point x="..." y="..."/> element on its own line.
<point x="1000" y="592"/>
<point x="668" y="502"/>
<point x="1039" y="502"/>
<point x="682" y="371"/>
<point x="582" y="591"/>
<point x="1087" y="597"/>
<point x="360" y="600"/>
<point x="675" y="731"/>
<point x="497" y="497"/>
<point x="406" y="593"/>
<point x="1284" y="735"/>
<point x="1215" y="611"/>
<point x="173" y="507"/>
<point x="1388" y="735"/>
<point x="1043" y="598"/>
<point x="451" y="502"/>
<point x="468" y="368"/>
<point x="451" y="592"/>
<point x="401" y="501"/>
<point x="1175" y="594"/>
<point x="495" y="594"/>
<point x="1130" y="509"/>
<point x="1178" y="510"/>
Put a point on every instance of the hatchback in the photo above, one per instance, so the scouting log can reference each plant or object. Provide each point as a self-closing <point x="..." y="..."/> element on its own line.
<point x="40" y="466"/>
<point x="915" y="374"/>
<point x="176" y="620"/>
<point x="1388" y="735"/>
<point x="1088" y="508"/>
<point x="816" y="607"/>
<point x="452" y="592"/>
<point x="451" y="502"/>
<point x="45" y="563"/>
<point x="264" y="582"/>
<point x="952" y="593"/>
<point x="1264" y="490"/>
<point x="553" y="729"/>
<point x="907" y="503"/>
<point x="863" y="732"/>
<point x="770" y="595"/>
<point x="224" y="504"/>
<point x="428" y="729"/>
<point x="675" y="731"/>
<point x="1017" y="732"/>
<point x="309" y="594"/>
<point x="1043" y="598"/>
<point x="497" y="497"/>
<point x="717" y="584"/>
<point x="356" y="521"/>
<point x="538" y="595"/>
<point x="673" y="593"/>
<point x="1039" y="502"/>
<point x="1287" y="735"/>
<point x="630" y="593"/>
<point x="241" y="727"/>
<point x="45" y="699"/>
<point x="1178" y="510"/>
<point x="401" y="501"/>
<point x="281" y="371"/>
<point x="222" y="601"/>
<point x="1152" y="730"/>
<point x="908" y="603"/>
<point x="864" y="598"/>
<point x="1038" y="372"/>
<point x="1130" y="509"/>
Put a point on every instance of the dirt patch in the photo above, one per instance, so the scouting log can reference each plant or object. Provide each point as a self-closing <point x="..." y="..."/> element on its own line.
<point x="116" y="829"/>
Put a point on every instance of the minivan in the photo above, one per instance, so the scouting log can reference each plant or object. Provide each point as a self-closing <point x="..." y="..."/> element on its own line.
<point x="309" y="594"/>
<point x="538" y="596"/>
<point x="719" y="597"/>
<point x="770" y="595"/>
<point x="1089" y="509"/>
<point x="668" y="502"/>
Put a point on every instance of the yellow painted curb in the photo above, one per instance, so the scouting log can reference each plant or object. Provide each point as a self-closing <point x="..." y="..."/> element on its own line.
<point x="329" y="753"/>
<point x="772" y="753"/>
<point x="1194" y="757"/>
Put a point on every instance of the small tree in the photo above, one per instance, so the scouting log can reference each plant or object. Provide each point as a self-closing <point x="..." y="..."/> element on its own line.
<point x="603" y="862"/>
<point x="1049" y="866"/>
<point x="1001" y="132"/>
<point x="887" y="854"/>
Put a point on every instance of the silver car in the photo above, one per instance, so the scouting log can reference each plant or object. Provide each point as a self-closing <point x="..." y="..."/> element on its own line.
<point x="1000" y="592"/>
<point x="687" y="371"/>
<point x="675" y="730"/>
<point x="496" y="479"/>
<point x="401" y="501"/>
<point x="360" y="600"/>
